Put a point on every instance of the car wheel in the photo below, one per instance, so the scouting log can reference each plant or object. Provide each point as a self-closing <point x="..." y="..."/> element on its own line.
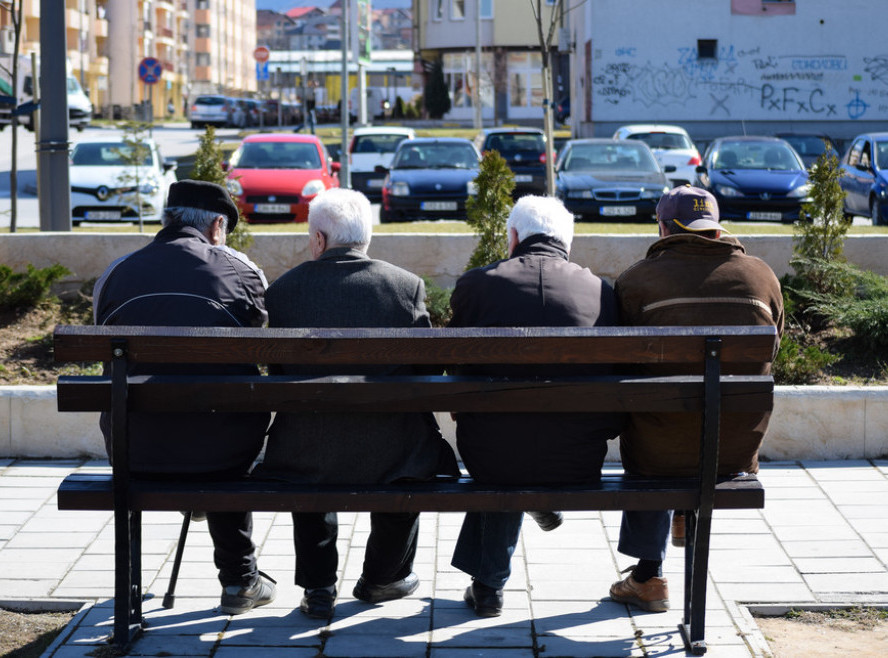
<point x="384" y="216"/>
<point x="75" y="222"/>
<point x="876" y="213"/>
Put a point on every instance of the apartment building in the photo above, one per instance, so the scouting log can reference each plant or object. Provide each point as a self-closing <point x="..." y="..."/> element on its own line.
<point x="222" y="34"/>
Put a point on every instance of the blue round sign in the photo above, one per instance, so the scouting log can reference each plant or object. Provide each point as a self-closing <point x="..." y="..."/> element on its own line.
<point x="150" y="70"/>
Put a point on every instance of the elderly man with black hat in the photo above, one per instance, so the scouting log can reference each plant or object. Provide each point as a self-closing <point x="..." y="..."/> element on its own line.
<point x="187" y="277"/>
<point x="691" y="276"/>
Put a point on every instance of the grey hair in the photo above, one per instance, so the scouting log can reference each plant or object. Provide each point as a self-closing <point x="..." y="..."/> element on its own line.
<point x="195" y="217"/>
<point x="541" y="215"/>
<point x="343" y="216"/>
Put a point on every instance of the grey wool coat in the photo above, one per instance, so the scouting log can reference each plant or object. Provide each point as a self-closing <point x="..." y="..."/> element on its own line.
<point x="346" y="288"/>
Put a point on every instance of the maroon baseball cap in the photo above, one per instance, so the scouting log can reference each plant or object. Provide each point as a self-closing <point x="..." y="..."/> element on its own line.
<point x="692" y="208"/>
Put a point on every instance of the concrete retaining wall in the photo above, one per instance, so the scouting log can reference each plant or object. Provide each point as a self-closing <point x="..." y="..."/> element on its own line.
<point x="440" y="256"/>
<point x="809" y="422"/>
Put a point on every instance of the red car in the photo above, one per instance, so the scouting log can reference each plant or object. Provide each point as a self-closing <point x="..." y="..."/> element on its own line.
<point x="274" y="176"/>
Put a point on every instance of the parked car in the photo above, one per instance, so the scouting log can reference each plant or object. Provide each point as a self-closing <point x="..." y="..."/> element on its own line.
<point x="609" y="178"/>
<point x="430" y="178"/>
<point x="671" y="145"/>
<point x="755" y="178"/>
<point x="211" y="110"/>
<point x="562" y="109"/>
<point x="107" y="185"/>
<point x="371" y="148"/>
<point x="246" y="112"/>
<point x="865" y="177"/>
<point x="810" y="146"/>
<point x="524" y="150"/>
<point x="274" y="176"/>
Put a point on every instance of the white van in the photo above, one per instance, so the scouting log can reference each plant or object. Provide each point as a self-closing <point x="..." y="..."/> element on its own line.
<point x="80" y="108"/>
<point x="370" y="148"/>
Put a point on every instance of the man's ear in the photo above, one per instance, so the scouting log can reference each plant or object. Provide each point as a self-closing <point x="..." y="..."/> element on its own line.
<point x="513" y="240"/>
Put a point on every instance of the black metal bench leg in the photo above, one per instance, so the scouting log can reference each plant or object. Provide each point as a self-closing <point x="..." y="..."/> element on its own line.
<point x="169" y="599"/>
<point x="127" y="578"/>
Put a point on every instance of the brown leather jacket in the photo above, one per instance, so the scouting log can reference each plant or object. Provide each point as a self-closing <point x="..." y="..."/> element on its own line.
<point x="688" y="279"/>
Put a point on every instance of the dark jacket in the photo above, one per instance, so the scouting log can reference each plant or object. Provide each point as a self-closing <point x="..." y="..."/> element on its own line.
<point x="688" y="279"/>
<point x="345" y="288"/>
<point x="536" y="287"/>
<point x="180" y="279"/>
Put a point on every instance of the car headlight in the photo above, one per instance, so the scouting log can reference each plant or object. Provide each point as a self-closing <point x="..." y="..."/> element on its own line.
<point x="471" y="188"/>
<point x="579" y="194"/>
<point x="149" y="187"/>
<point x="234" y="186"/>
<point x="883" y="189"/>
<point x="727" y="190"/>
<point x="400" y="188"/>
<point x="801" y="191"/>
<point x="313" y="187"/>
<point x="653" y="193"/>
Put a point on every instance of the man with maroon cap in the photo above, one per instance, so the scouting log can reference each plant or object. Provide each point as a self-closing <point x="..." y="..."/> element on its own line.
<point x="690" y="276"/>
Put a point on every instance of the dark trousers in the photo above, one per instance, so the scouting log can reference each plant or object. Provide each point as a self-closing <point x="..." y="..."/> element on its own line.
<point x="233" y="551"/>
<point x="389" y="556"/>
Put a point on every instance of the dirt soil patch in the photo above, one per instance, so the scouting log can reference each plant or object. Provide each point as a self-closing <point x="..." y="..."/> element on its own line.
<point x="28" y="634"/>
<point x="858" y="632"/>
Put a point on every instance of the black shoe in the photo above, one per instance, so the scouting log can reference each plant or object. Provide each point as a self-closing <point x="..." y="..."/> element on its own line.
<point x="487" y="601"/>
<point x="379" y="593"/>
<point x="548" y="521"/>
<point x="318" y="603"/>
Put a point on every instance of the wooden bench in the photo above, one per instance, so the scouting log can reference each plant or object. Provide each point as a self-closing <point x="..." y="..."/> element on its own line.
<point x="709" y="392"/>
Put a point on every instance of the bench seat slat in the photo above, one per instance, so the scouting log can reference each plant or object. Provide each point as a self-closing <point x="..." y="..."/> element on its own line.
<point x="614" y="492"/>
<point x="425" y="346"/>
<point x="368" y="394"/>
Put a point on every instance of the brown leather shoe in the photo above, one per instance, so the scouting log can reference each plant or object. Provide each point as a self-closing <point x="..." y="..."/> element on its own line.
<point x="651" y="595"/>
<point x="678" y="530"/>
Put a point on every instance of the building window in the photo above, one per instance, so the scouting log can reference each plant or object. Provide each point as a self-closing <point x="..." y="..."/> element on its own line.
<point x="203" y="4"/>
<point x="457" y="10"/>
<point x="486" y="8"/>
<point x="202" y="30"/>
<point x="707" y="48"/>
<point x="202" y="59"/>
<point x="437" y="9"/>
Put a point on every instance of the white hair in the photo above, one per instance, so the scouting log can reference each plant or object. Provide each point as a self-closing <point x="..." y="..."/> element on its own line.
<point x="541" y="215"/>
<point x="343" y="216"/>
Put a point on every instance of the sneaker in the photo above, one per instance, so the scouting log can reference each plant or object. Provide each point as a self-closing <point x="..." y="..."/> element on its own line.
<point x="486" y="601"/>
<point x="678" y="529"/>
<point x="237" y="600"/>
<point x="379" y="593"/>
<point x="547" y="521"/>
<point x="651" y="595"/>
<point x="318" y="603"/>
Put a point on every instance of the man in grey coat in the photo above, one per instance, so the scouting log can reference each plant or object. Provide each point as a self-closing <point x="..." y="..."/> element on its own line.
<point x="343" y="287"/>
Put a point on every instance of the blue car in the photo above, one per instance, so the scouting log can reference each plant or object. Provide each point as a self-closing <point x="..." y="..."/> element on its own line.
<point x="865" y="177"/>
<point x="755" y="179"/>
<point x="430" y="179"/>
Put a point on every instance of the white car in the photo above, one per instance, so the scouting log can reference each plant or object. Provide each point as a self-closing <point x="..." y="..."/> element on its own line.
<point x="671" y="145"/>
<point x="106" y="188"/>
<point x="371" y="148"/>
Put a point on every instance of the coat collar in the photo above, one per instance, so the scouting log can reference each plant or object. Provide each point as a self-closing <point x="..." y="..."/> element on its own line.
<point x="540" y="245"/>
<point x="343" y="253"/>
<point x="690" y="243"/>
<point x="178" y="231"/>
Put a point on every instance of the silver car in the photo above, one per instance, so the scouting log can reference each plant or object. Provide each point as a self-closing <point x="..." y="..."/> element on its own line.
<point x="211" y="110"/>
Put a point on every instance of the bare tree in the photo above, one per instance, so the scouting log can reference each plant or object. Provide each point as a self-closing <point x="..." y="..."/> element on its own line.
<point x="546" y="35"/>
<point x="14" y="8"/>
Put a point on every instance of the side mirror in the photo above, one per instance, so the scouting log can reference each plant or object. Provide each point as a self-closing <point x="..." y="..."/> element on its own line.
<point x="380" y="169"/>
<point x="700" y="169"/>
<point x="170" y="165"/>
<point x="336" y="167"/>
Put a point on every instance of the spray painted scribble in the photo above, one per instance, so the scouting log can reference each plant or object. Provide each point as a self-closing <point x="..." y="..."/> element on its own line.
<point x="877" y="67"/>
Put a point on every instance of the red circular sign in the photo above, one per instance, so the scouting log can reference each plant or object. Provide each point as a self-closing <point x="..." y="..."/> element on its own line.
<point x="261" y="54"/>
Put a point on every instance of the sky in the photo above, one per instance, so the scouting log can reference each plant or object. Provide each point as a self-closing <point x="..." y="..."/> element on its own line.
<point x="284" y="5"/>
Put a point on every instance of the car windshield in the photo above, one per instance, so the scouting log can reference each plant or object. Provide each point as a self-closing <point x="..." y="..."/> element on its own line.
<point x="618" y="156"/>
<point x="807" y="144"/>
<point x="377" y="143"/>
<point x="756" y="155"/>
<point x="663" y="140"/>
<point x="511" y="143"/>
<point x="436" y="156"/>
<point x="210" y="100"/>
<point x="277" y="155"/>
<point x="112" y="154"/>
<point x="882" y="155"/>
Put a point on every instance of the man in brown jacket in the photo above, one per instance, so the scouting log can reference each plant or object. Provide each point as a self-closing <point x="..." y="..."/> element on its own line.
<point x="691" y="276"/>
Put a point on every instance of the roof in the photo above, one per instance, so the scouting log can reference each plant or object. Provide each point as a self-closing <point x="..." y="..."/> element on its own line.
<point x="380" y="130"/>
<point x="513" y="129"/>
<point x="653" y="128"/>
<point x="281" y="137"/>
<point x="299" y="12"/>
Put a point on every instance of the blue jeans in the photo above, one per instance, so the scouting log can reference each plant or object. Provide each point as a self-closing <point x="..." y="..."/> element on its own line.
<point x="485" y="546"/>
<point x="645" y="534"/>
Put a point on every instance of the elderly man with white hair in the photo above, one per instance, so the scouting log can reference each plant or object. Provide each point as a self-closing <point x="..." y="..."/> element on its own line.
<point x="537" y="286"/>
<point x="343" y="287"/>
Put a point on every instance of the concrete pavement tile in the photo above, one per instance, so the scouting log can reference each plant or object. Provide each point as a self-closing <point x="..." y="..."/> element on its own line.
<point x="19" y="504"/>
<point x="70" y="524"/>
<point x="68" y="651"/>
<point x="554" y="645"/>
<point x="733" y="527"/>
<point x="502" y="635"/>
<point x="89" y="636"/>
<point x="174" y="645"/>
<point x="395" y="627"/>
<point x="877" y="539"/>
<point x="373" y="646"/>
<point x="225" y="651"/>
<point x="863" y="583"/>
<point x="882" y="554"/>
<point x="825" y="515"/>
<point x="576" y="626"/>
<point x="839" y="565"/>
<point x="448" y="599"/>
<point x="37" y="570"/>
<point x="28" y="589"/>
<point x="785" y="533"/>
<point x="774" y="494"/>
<point x="554" y="590"/>
<point x="544" y="572"/>
<point x="743" y="557"/>
<point x="299" y="634"/>
<point x="38" y="495"/>
<point x="765" y="593"/>
<point x="826" y="548"/>
<point x="840" y="469"/>
<point x="728" y="573"/>
<point x="487" y="652"/>
<point x="11" y="518"/>
<point x="575" y="556"/>
<point x="749" y="542"/>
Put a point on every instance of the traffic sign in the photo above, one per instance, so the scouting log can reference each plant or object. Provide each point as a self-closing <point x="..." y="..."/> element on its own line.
<point x="261" y="54"/>
<point x="150" y="70"/>
<point x="261" y="70"/>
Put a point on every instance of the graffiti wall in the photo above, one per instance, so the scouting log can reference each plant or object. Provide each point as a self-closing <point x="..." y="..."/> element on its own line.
<point x="810" y="66"/>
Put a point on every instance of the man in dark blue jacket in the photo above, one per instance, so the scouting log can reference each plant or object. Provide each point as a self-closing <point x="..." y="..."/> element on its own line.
<point x="537" y="286"/>
<point x="187" y="277"/>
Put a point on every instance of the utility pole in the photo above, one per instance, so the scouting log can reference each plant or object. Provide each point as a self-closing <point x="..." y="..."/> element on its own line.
<point x="344" y="174"/>
<point x="476" y="97"/>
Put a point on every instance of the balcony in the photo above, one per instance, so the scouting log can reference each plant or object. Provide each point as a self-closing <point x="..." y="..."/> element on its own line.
<point x="100" y="28"/>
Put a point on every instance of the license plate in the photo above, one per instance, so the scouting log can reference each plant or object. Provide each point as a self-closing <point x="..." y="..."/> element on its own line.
<point x="272" y="207"/>
<point x="523" y="178"/>
<point x="438" y="205"/>
<point x="767" y="216"/>
<point x="102" y="214"/>
<point x="617" y="211"/>
<point x="374" y="182"/>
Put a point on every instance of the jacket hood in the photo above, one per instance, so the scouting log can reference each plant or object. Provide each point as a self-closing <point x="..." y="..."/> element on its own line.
<point x="695" y="244"/>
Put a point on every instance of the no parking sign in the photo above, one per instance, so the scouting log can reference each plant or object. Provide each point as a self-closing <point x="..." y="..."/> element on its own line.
<point x="150" y="70"/>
